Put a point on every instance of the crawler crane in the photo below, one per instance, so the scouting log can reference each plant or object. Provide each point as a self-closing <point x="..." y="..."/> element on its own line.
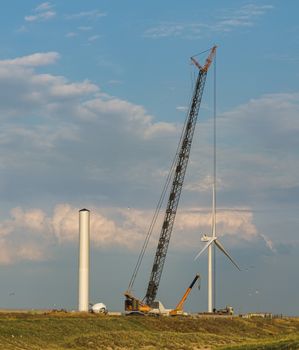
<point x="133" y="304"/>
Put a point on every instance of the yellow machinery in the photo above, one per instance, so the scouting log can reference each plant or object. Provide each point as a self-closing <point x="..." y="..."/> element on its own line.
<point x="134" y="305"/>
<point x="179" y="308"/>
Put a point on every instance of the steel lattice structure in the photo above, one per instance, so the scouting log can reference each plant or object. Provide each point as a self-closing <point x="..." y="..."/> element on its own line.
<point x="177" y="183"/>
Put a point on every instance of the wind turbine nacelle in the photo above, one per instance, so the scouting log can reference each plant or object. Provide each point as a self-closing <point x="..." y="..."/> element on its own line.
<point x="205" y="238"/>
<point x="99" y="308"/>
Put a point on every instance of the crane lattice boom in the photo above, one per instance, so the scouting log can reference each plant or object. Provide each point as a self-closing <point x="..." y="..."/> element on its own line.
<point x="178" y="180"/>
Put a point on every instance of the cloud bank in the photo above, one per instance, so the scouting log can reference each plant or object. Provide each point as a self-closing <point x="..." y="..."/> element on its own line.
<point x="70" y="142"/>
<point x="32" y="235"/>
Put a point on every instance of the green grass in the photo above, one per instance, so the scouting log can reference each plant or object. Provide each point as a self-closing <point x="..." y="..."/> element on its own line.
<point x="73" y="331"/>
<point x="289" y="344"/>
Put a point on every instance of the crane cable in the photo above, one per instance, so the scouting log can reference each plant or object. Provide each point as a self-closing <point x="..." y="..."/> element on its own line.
<point x="158" y="208"/>
<point x="202" y="52"/>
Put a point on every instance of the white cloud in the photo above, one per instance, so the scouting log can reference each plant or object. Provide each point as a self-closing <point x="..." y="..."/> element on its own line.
<point x="43" y="7"/>
<point x="25" y="236"/>
<point x="48" y="92"/>
<point x="231" y="20"/>
<point x="86" y="14"/>
<point x="36" y="59"/>
<point x="133" y="118"/>
<point x="256" y="152"/>
<point x="69" y="141"/>
<point x="105" y="232"/>
<point x="233" y="222"/>
<point x="267" y="132"/>
<point x="33" y="219"/>
<point x="181" y="108"/>
<point x="32" y="234"/>
<point x="42" y="16"/>
<point x="204" y="184"/>
<point x="147" y="145"/>
<point x="251" y="10"/>
<point x="93" y="38"/>
<point x="73" y="89"/>
<point x="6" y="255"/>
<point x="70" y="35"/>
<point x="69" y="119"/>
<point x="160" y="129"/>
<point x="43" y="12"/>
<point x="168" y="29"/>
<point x="177" y="29"/>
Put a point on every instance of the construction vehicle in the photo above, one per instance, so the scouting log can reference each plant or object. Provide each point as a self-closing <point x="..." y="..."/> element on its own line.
<point x="177" y="174"/>
<point x="179" y="308"/>
<point x="228" y="310"/>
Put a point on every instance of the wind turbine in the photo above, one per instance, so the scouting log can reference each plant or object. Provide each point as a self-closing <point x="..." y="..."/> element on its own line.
<point x="213" y="240"/>
<point x="210" y="241"/>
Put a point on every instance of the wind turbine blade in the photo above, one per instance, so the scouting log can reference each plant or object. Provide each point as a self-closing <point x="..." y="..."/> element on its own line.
<point x="205" y="247"/>
<point x="220" y="246"/>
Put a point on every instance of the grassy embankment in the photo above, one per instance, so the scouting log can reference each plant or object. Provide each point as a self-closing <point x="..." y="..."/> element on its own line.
<point x="70" y="331"/>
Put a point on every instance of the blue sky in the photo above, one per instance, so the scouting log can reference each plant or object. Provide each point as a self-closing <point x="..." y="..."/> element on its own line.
<point x="93" y="97"/>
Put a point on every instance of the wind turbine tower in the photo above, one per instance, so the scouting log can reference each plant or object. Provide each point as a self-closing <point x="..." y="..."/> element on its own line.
<point x="212" y="239"/>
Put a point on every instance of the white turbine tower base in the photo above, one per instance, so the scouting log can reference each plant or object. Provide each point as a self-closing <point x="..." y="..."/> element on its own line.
<point x="84" y="228"/>
<point x="210" y="241"/>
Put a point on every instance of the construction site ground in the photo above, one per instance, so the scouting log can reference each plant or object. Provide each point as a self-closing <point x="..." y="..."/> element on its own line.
<point x="33" y="330"/>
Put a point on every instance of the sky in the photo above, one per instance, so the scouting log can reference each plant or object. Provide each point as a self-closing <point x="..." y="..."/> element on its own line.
<point x="93" y="99"/>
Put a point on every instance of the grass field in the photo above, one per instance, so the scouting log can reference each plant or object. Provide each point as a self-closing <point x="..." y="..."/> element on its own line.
<point x="73" y="331"/>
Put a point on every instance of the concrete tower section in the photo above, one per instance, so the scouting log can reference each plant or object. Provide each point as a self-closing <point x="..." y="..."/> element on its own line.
<point x="84" y="231"/>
